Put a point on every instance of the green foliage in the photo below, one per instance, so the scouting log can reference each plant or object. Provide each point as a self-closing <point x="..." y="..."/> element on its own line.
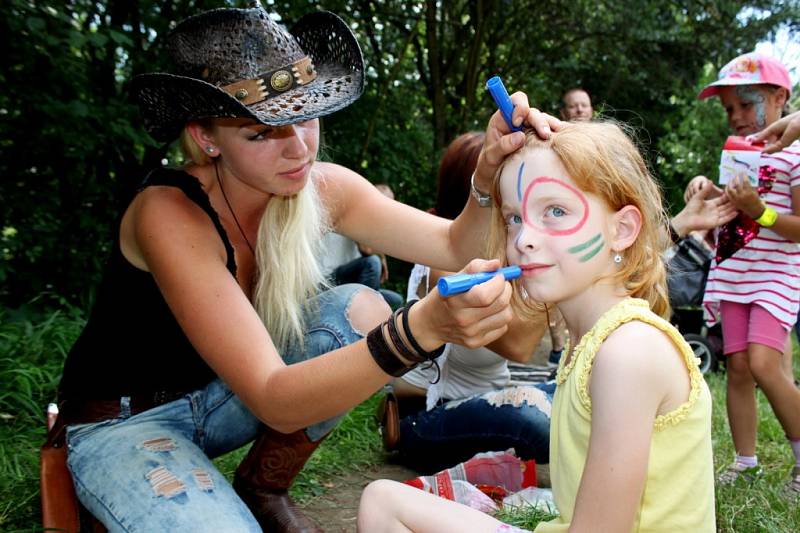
<point x="72" y="149"/>
<point x="692" y="142"/>
<point x="32" y="352"/>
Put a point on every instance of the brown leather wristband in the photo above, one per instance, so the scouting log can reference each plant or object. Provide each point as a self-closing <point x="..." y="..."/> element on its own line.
<point x="383" y="355"/>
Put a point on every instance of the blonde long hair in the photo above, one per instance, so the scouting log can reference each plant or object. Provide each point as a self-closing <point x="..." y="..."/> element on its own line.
<point x="287" y="250"/>
<point x="602" y="160"/>
<point x="289" y="273"/>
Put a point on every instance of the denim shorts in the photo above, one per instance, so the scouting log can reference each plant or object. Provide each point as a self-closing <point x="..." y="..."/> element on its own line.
<point x="153" y="472"/>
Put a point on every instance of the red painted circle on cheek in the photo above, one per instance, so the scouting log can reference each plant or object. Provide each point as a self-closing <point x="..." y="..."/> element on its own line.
<point x="573" y="190"/>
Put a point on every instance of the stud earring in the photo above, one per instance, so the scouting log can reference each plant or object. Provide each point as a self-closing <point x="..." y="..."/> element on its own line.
<point x="210" y="149"/>
<point x="617" y="258"/>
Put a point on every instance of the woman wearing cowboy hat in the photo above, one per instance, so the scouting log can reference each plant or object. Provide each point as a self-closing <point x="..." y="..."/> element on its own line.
<point x="175" y="365"/>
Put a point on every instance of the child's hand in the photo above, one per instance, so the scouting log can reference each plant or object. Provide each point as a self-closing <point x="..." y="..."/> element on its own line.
<point x="701" y="213"/>
<point x="500" y="141"/>
<point x="699" y="183"/>
<point x="744" y="197"/>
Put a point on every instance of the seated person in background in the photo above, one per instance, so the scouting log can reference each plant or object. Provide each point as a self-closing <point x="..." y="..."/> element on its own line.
<point x="345" y="261"/>
<point x="576" y="105"/>
<point x="466" y="406"/>
<point x="558" y="335"/>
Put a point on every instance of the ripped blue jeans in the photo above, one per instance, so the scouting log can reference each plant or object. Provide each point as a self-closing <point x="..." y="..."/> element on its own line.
<point x="153" y="471"/>
<point x="454" y="431"/>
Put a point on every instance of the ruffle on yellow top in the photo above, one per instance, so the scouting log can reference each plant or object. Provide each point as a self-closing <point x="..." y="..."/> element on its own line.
<point x="626" y="311"/>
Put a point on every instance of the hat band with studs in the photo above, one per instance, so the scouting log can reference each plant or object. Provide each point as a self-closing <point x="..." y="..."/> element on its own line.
<point x="273" y="83"/>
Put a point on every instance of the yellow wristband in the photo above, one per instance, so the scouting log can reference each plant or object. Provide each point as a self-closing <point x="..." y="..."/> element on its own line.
<point x="768" y="217"/>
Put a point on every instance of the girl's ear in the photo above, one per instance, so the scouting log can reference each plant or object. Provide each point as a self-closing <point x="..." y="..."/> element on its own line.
<point x="200" y="134"/>
<point x="781" y="96"/>
<point x="627" y="225"/>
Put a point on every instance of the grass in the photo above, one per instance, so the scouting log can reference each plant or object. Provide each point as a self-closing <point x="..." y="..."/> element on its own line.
<point x="31" y="354"/>
<point x="759" y="507"/>
<point x="32" y="350"/>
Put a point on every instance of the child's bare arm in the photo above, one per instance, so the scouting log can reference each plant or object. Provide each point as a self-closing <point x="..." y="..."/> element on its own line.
<point x="629" y="386"/>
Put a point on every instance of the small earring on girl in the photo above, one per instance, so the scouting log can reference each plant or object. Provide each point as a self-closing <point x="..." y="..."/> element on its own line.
<point x="617" y="258"/>
<point x="210" y="149"/>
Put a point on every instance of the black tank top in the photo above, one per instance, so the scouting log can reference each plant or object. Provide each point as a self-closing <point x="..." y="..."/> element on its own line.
<point x="132" y="344"/>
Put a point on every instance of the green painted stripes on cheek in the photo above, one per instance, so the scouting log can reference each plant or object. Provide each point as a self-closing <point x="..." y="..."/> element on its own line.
<point x="587" y="244"/>
<point x="596" y="240"/>
<point x="592" y="253"/>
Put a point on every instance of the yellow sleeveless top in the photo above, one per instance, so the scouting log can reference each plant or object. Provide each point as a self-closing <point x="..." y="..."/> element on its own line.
<point x="679" y="489"/>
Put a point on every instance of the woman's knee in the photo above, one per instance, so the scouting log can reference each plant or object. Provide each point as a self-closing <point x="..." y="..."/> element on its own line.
<point x="367" y="309"/>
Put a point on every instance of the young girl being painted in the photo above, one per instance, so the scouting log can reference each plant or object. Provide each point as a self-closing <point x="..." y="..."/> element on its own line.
<point x="754" y="280"/>
<point x="631" y="420"/>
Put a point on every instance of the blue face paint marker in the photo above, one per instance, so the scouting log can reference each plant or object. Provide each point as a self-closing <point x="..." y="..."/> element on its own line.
<point x="519" y="180"/>
<point x="502" y="100"/>
<point x="458" y="283"/>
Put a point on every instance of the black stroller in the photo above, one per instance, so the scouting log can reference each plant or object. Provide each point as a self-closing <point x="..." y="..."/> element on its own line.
<point x="687" y="272"/>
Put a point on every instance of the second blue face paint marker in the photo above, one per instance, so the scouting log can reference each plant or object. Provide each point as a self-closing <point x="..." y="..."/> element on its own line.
<point x="500" y="95"/>
<point x="458" y="283"/>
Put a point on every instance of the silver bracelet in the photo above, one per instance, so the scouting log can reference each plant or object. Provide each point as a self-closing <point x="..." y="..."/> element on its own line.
<point x="483" y="199"/>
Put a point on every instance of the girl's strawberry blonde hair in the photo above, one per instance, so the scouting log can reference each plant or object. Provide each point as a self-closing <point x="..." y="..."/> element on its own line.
<point x="603" y="160"/>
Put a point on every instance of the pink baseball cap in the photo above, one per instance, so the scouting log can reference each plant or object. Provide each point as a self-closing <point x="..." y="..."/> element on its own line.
<point x="749" y="69"/>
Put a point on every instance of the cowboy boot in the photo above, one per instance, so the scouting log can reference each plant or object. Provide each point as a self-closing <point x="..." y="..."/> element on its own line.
<point x="264" y="476"/>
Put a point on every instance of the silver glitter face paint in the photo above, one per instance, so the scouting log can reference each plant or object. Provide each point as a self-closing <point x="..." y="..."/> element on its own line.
<point x="750" y="94"/>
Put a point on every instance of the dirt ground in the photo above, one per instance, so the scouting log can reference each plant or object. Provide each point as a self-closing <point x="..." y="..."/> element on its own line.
<point x="336" y="510"/>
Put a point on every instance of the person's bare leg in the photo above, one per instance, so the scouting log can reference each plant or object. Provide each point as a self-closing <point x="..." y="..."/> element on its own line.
<point x="741" y="404"/>
<point x="392" y="507"/>
<point x="767" y="368"/>
<point x="786" y="360"/>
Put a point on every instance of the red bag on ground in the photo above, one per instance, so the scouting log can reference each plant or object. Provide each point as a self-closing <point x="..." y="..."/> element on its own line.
<point x="494" y="473"/>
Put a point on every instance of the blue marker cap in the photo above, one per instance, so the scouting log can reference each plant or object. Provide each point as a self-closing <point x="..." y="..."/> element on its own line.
<point x="500" y="95"/>
<point x="458" y="283"/>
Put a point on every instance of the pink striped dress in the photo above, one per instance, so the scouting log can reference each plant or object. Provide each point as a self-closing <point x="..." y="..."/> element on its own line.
<point x="766" y="270"/>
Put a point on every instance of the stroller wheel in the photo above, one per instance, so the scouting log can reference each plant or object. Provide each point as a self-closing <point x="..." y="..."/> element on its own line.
<point x="702" y="350"/>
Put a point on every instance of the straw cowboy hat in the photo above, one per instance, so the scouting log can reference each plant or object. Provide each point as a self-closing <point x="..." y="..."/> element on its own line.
<point x="242" y="63"/>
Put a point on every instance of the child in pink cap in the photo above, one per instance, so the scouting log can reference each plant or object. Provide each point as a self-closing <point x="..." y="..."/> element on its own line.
<point x="754" y="280"/>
